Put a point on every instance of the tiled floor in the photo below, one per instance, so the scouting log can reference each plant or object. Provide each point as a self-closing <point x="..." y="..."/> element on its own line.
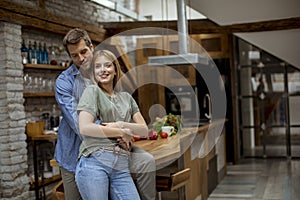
<point x="260" y="179"/>
<point x="257" y="179"/>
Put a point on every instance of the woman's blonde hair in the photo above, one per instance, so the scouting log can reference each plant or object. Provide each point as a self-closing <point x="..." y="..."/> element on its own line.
<point x="111" y="57"/>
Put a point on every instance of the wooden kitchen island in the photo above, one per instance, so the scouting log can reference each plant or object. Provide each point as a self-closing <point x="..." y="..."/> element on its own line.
<point x="202" y="149"/>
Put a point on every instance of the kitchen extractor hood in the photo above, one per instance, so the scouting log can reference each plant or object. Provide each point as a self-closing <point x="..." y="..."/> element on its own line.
<point x="183" y="57"/>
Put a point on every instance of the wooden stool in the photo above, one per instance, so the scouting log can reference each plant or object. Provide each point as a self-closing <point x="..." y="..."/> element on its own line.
<point x="173" y="182"/>
<point x="58" y="191"/>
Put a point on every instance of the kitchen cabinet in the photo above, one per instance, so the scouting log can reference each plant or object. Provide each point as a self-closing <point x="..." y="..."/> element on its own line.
<point x="185" y="73"/>
<point x="162" y="46"/>
<point x="149" y="94"/>
<point x="214" y="45"/>
<point x="157" y="46"/>
<point x="149" y="47"/>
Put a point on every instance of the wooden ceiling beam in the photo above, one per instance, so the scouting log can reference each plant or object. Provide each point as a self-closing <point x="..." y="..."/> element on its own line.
<point x="201" y="26"/>
<point x="194" y="27"/>
<point x="271" y="25"/>
<point x="41" y="19"/>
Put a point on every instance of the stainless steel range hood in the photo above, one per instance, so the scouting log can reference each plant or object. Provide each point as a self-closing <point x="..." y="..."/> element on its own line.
<point x="181" y="59"/>
<point x="184" y="57"/>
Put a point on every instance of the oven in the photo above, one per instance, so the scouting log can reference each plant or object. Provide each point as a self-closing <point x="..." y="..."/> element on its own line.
<point x="192" y="106"/>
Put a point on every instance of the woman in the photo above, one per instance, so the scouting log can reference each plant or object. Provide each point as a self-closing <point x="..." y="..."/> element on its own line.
<point x="103" y="166"/>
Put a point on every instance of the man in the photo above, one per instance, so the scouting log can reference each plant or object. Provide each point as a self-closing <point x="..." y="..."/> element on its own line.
<point x="69" y="87"/>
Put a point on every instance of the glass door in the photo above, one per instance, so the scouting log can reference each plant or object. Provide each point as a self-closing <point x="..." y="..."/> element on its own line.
<point x="294" y="111"/>
<point x="269" y="104"/>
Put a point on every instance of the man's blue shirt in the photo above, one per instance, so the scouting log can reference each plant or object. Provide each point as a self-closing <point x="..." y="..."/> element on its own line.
<point x="68" y="89"/>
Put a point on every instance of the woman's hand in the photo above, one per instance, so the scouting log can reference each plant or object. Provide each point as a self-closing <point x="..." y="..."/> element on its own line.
<point x="113" y="124"/>
<point x="126" y="138"/>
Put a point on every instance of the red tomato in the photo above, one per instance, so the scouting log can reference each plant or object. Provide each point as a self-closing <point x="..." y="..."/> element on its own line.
<point x="163" y="135"/>
<point x="152" y="135"/>
<point x="136" y="137"/>
<point x="143" y="137"/>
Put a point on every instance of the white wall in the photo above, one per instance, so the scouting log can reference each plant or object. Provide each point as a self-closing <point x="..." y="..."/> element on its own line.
<point x="242" y="11"/>
<point x="165" y="10"/>
<point x="283" y="44"/>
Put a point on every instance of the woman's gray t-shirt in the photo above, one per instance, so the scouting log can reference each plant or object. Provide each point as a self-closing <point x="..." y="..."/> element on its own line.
<point x="120" y="107"/>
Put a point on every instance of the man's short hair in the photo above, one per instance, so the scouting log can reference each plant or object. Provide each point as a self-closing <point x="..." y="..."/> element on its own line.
<point x="74" y="36"/>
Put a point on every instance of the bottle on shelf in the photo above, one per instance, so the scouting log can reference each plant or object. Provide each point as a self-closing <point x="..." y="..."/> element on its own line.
<point x="30" y="52"/>
<point x="53" y="56"/>
<point x="46" y="119"/>
<point x="54" y="119"/>
<point x="34" y="53"/>
<point x="24" y="52"/>
<point x="45" y="55"/>
<point x="40" y="54"/>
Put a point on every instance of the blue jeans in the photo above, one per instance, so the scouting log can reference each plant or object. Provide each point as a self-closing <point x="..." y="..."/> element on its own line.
<point x="105" y="174"/>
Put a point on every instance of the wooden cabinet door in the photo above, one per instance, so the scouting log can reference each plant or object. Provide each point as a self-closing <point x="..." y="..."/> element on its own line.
<point x="216" y="45"/>
<point x="186" y="73"/>
<point x="148" y="47"/>
<point x="194" y="44"/>
<point x="149" y="94"/>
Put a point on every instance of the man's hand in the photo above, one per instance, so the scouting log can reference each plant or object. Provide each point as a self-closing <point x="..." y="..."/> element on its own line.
<point x="123" y="144"/>
<point x="126" y="140"/>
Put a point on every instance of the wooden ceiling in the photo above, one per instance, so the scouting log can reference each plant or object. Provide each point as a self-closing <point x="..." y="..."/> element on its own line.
<point x="39" y="18"/>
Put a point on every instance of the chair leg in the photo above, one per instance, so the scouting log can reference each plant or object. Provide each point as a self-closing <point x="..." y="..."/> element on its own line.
<point x="159" y="195"/>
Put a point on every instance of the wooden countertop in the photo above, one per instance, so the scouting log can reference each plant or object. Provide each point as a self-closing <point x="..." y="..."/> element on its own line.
<point x="168" y="149"/>
<point x="163" y="150"/>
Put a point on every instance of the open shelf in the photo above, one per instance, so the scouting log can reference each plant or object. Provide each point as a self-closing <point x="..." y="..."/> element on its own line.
<point x="44" y="66"/>
<point x="39" y="94"/>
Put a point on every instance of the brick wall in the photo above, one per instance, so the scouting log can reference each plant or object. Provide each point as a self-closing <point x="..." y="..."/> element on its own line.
<point x="82" y="10"/>
<point x="15" y="153"/>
